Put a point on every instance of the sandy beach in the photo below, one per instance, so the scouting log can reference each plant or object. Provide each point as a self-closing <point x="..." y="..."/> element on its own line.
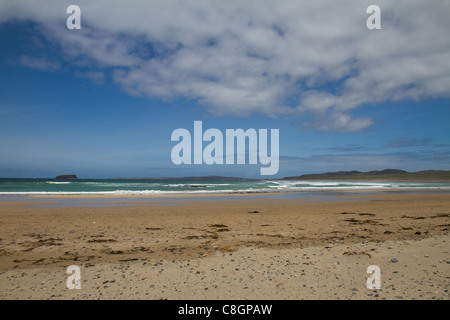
<point x="222" y="248"/>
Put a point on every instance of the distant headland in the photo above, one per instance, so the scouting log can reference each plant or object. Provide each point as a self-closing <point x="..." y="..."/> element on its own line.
<point x="386" y="174"/>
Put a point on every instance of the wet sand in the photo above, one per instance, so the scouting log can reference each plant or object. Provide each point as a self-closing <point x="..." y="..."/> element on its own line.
<point x="226" y="248"/>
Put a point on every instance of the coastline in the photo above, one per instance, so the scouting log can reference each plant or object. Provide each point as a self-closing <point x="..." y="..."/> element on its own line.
<point x="207" y="187"/>
<point x="168" y="245"/>
<point x="223" y="193"/>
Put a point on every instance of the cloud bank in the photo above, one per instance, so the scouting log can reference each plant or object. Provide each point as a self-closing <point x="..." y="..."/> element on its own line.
<point x="312" y="61"/>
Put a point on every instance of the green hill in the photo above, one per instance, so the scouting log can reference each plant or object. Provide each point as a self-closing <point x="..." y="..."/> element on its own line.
<point x="387" y="174"/>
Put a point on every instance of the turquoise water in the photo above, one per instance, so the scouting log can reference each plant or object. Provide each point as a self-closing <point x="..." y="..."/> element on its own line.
<point x="152" y="186"/>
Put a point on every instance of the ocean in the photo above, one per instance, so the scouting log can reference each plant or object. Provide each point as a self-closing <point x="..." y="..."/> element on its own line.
<point x="182" y="186"/>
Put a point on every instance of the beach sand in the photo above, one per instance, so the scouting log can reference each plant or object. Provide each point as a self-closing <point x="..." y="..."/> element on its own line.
<point x="240" y="248"/>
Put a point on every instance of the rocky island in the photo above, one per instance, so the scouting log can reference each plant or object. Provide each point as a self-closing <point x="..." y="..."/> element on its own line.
<point x="67" y="176"/>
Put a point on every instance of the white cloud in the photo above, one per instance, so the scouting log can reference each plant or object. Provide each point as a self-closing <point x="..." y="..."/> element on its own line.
<point x="278" y="58"/>
<point x="42" y="64"/>
<point x="96" y="77"/>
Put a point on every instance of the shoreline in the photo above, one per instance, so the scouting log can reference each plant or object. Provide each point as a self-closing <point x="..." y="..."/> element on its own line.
<point x="336" y="272"/>
<point x="224" y="193"/>
<point x="244" y="248"/>
<point x="208" y="188"/>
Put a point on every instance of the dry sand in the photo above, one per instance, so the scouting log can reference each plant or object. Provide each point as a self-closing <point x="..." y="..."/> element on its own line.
<point x="228" y="248"/>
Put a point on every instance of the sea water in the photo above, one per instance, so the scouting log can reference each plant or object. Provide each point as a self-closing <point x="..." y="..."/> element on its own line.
<point x="173" y="186"/>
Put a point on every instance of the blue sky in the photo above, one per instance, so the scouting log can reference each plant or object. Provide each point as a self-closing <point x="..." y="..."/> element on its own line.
<point x="102" y="102"/>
